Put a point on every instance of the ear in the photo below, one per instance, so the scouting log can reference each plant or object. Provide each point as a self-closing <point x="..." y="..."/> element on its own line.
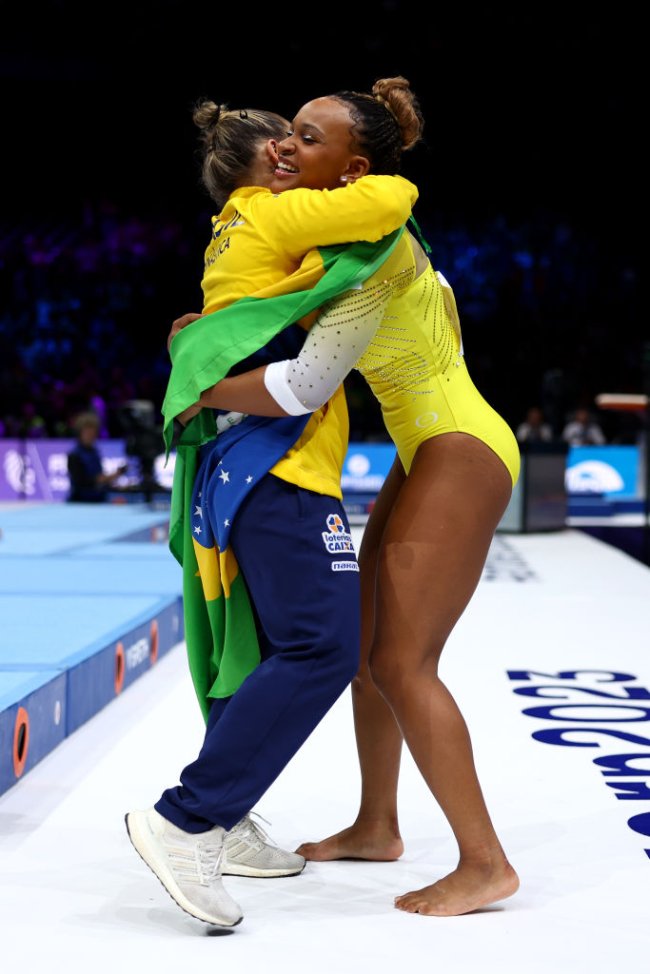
<point x="357" y="167"/>
<point x="271" y="150"/>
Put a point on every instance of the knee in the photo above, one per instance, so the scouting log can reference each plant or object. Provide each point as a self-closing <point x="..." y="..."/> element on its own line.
<point x="363" y="680"/>
<point x="393" y="674"/>
<point x="385" y="670"/>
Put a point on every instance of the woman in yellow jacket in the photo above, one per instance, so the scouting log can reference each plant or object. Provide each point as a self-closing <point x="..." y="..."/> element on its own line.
<point x="285" y="517"/>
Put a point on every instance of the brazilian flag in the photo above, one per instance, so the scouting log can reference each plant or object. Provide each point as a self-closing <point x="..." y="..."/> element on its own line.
<point x="214" y="471"/>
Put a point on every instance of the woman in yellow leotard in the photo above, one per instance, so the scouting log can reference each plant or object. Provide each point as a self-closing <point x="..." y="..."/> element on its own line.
<point x="429" y="533"/>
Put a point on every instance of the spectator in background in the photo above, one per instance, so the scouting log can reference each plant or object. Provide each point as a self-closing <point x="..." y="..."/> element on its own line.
<point x="88" y="482"/>
<point x="31" y="423"/>
<point x="583" y="430"/>
<point x="534" y="429"/>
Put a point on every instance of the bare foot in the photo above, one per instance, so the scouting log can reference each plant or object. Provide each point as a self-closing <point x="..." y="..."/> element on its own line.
<point x="377" y="844"/>
<point x="467" y="888"/>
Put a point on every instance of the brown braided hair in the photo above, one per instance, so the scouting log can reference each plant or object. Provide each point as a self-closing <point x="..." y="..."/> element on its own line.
<point x="386" y="123"/>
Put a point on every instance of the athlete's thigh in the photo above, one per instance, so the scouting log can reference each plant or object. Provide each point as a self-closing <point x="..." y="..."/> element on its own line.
<point x="381" y="511"/>
<point x="436" y="541"/>
<point x="369" y="552"/>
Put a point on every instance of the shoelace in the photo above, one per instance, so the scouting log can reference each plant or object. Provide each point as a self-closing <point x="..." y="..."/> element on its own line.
<point x="249" y="828"/>
<point x="208" y="861"/>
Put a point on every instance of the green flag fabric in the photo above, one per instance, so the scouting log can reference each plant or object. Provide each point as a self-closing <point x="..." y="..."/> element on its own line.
<point x="219" y="624"/>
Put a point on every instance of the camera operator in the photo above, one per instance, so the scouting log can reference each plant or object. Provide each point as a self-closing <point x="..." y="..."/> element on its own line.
<point x="88" y="482"/>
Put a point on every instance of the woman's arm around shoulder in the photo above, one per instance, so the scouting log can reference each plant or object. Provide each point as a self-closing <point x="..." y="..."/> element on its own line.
<point x="368" y="209"/>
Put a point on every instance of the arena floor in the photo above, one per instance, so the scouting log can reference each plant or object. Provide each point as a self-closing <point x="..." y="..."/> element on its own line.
<point x="561" y="611"/>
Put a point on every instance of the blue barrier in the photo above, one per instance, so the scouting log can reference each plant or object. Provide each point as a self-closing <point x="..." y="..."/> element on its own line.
<point x="37" y="469"/>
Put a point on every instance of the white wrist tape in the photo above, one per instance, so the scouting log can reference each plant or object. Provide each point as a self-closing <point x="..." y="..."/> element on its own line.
<point x="275" y="380"/>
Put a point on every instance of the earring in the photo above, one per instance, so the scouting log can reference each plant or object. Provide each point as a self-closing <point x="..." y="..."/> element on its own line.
<point x="344" y="179"/>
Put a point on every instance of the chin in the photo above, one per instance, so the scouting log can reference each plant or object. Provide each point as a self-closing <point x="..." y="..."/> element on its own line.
<point x="278" y="185"/>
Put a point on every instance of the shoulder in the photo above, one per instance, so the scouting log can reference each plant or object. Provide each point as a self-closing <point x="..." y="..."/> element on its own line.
<point x="241" y="201"/>
<point x="244" y="196"/>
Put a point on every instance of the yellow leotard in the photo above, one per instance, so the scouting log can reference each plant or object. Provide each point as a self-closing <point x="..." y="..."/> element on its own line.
<point x="414" y="362"/>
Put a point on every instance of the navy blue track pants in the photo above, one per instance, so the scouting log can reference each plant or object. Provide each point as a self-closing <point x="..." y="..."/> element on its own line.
<point x="294" y="550"/>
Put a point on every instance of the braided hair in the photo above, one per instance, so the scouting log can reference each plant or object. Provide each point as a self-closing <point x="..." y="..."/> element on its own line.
<point x="385" y="123"/>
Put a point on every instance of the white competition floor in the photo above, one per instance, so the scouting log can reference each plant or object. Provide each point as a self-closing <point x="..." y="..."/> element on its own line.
<point x="75" y="897"/>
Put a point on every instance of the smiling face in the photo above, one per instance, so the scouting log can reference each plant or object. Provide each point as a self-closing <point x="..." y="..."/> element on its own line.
<point x="320" y="151"/>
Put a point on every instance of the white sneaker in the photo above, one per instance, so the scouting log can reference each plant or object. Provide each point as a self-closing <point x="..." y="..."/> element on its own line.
<point x="249" y="851"/>
<point x="188" y="866"/>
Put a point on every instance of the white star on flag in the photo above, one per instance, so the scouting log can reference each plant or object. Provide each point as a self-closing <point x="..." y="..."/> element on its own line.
<point x="198" y="512"/>
<point x="197" y="529"/>
<point x="248" y="479"/>
<point x="226" y="523"/>
<point x="225" y="476"/>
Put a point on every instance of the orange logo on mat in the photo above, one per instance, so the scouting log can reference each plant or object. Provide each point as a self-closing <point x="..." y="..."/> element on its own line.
<point x="21" y="741"/>
<point x="153" y="652"/>
<point x="120" y="668"/>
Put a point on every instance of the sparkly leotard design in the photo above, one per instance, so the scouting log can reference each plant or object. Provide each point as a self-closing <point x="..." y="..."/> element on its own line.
<point x="402" y="332"/>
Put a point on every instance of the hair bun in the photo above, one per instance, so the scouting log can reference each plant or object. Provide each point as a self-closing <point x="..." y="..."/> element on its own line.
<point x="396" y="95"/>
<point x="206" y="115"/>
<point x="384" y="85"/>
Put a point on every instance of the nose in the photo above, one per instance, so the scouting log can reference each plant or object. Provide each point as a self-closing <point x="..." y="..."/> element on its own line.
<point x="287" y="147"/>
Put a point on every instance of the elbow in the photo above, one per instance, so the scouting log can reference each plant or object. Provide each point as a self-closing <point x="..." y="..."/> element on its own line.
<point x="310" y="403"/>
<point x="279" y="389"/>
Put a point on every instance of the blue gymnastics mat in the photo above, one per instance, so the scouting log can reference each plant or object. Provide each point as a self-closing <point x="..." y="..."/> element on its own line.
<point x="90" y="598"/>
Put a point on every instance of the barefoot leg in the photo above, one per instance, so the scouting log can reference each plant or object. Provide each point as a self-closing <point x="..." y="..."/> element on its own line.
<point x="432" y="555"/>
<point x="375" y="833"/>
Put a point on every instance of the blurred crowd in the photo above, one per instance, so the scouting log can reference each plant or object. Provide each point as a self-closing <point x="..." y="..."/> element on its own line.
<point x="549" y="318"/>
<point x="84" y="316"/>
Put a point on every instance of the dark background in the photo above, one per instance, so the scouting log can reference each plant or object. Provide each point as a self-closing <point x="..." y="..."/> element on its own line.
<point x="529" y="178"/>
